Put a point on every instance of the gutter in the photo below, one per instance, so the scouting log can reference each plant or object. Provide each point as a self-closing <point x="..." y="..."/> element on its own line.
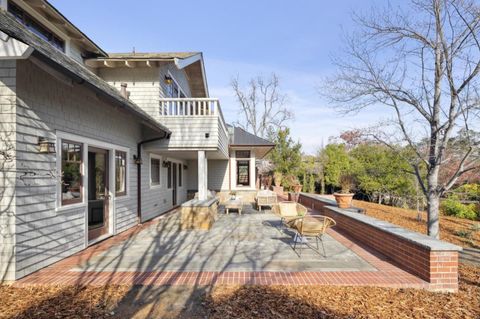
<point x="138" y="161"/>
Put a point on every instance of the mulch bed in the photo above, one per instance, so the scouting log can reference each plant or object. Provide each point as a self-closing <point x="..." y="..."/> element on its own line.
<point x="346" y="302"/>
<point x="449" y="226"/>
<point x="59" y="301"/>
<point x="253" y="302"/>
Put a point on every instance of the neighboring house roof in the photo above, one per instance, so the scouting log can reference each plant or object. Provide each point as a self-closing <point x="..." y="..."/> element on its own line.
<point x="240" y="137"/>
<point x="58" y="59"/>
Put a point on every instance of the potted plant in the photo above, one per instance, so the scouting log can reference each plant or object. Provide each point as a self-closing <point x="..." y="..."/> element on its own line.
<point x="277" y="178"/>
<point x="345" y="196"/>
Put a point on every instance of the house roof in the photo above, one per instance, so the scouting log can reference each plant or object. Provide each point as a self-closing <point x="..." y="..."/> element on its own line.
<point x="72" y="68"/>
<point x="240" y="137"/>
<point x="190" y="62"/>
<point x="50" y="13"/>
<point x="152" y="55"/>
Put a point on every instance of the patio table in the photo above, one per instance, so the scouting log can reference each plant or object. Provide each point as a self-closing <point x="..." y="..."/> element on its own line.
<point x="234" y="204"/>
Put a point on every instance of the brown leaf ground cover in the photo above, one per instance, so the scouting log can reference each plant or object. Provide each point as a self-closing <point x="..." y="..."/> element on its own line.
<point x="449" y="226"/>
<point x="346" y="302"/>
<point x="244" y="302"/>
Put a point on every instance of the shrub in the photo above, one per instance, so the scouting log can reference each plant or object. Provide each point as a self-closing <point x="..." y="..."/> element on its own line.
<point x="452" y="207"/>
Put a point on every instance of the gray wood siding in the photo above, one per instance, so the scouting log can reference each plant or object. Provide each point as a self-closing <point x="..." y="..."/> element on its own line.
<point x="45" y="105"/>
<point x="7" y="169"/>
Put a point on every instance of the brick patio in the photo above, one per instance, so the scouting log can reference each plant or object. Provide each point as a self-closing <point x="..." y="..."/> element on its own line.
<point x="68" y="271"/>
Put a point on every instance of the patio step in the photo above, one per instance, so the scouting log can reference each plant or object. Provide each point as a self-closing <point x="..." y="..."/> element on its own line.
<point x="470" y="255"/>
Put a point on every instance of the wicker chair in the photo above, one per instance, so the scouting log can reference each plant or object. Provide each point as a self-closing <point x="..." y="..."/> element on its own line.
<point x="265" y="198"/>
<point x="310" y="227"/>
<point x="289" y="211"/>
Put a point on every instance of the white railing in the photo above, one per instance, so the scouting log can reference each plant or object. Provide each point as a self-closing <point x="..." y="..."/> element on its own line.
<point x="189" y="107"/>
<point x="192" y="107"/>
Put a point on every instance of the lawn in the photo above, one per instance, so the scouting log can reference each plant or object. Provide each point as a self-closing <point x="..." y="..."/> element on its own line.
<point x="244" y="302"/>
<point x="450" y="227"/>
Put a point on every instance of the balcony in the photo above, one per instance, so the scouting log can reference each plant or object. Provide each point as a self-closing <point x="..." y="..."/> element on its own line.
<point x="196" y="123"/>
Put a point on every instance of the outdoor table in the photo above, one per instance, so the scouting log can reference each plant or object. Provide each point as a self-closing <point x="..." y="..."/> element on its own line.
<point x="234" y="204"/>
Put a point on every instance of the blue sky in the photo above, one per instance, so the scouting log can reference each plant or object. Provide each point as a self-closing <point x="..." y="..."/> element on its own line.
<point x="294" y="39"/>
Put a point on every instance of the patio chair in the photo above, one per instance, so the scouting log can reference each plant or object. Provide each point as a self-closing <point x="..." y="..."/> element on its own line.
<point x="310" y="227"/>
<point x="288" y="211"/>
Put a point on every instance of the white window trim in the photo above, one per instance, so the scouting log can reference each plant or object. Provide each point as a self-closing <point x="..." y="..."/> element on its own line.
<point x="180" y="89"/>
<point x="86" y="142"/>
<point x="159" y="157"/>
<point x="127" y="175"/>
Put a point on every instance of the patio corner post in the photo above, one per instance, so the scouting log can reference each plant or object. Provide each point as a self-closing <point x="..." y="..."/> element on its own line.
<point x="202" y="175"/>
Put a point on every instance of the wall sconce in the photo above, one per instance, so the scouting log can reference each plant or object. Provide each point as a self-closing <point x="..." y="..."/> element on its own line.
<point x="185" y="167"/>
<point x="137" y="159"/>
<point x="46" y="147"/>
<point x="166" y="164"/>
<point x="207" y="135"/>
<point x="168" y="79"/>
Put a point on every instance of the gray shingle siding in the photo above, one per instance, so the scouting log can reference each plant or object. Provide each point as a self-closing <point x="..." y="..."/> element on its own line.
<point x="44" y="105"/>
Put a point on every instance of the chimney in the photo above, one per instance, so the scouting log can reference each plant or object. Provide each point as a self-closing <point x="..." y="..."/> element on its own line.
<point x="123" y="90"/>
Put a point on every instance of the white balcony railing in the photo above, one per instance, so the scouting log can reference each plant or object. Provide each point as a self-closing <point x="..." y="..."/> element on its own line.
<point x="192" y="107"/>
<point x="189" y="107"/>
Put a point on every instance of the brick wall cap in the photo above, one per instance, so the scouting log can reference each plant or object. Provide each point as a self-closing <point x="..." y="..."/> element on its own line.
<point x="425" y="241"/>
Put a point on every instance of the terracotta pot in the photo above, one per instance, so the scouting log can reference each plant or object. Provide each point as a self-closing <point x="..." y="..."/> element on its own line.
<point x="343" y="200"/>
<point x="297" y="188"/>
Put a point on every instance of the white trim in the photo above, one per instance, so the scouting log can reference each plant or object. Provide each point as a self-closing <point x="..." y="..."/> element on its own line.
<point x="159" y="157"/>
<point x="11" y="48"/>
<point x="127" y="175"/>
<point x="86" y="143"/>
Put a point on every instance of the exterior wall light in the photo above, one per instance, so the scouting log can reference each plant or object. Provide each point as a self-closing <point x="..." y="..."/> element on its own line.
<point x="185" y="167"/>
<point x="168" y="79"/>
<point x="166" y="164"/>
<point x="46" y="147"/>
<point x="137" y="160"/>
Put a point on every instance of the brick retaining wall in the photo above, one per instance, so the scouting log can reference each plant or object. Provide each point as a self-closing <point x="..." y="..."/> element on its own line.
<point x="432" y="260"/>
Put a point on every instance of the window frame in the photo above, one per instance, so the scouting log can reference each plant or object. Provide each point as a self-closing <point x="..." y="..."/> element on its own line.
<point x="159" y="158"/>
<point x="68" y="202"/>
<point x="248" y="172"/>
<point x="181" y="92"/>
<point x="180" y="174"/>
<point x="123" y="193"/>
<point x="169" y="175"/>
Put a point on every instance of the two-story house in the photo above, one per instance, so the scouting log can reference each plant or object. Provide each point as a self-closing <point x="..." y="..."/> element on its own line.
<point x="91" y="144"/>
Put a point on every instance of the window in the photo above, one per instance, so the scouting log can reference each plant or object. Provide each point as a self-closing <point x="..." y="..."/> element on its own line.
<point x="174" y="90"/>
<point x="180" y="175"/>
<point x="34" y="26"/>
<point x="120" y="173"/>
<point x="242" y="154"/>
<point x="243" y="173"/>
<point x="169" y="175"/>
<point x="154" y="171"/>
<point x="71" y="172"/>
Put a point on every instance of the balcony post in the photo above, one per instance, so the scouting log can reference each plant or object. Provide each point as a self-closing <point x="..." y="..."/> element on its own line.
<point x="202" y="175"/>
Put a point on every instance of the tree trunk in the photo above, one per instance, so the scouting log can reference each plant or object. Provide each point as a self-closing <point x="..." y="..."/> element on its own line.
<point x="433" y="210"/>
<point x="433" y="202"/>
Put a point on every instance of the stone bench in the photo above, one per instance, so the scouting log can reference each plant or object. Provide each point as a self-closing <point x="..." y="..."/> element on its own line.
<point x="432" y="260"/>
<point x="199" y="214"/>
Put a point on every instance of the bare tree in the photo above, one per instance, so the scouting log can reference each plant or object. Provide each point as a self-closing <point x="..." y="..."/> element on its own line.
<point x="422" y="62"/>
<point x="262" y="106"/>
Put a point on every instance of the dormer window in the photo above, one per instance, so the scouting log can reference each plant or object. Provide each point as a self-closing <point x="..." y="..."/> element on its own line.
<point x="36" y="27"/>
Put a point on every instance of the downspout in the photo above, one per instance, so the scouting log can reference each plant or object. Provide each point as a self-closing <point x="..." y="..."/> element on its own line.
<point x="138" y="161"/>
